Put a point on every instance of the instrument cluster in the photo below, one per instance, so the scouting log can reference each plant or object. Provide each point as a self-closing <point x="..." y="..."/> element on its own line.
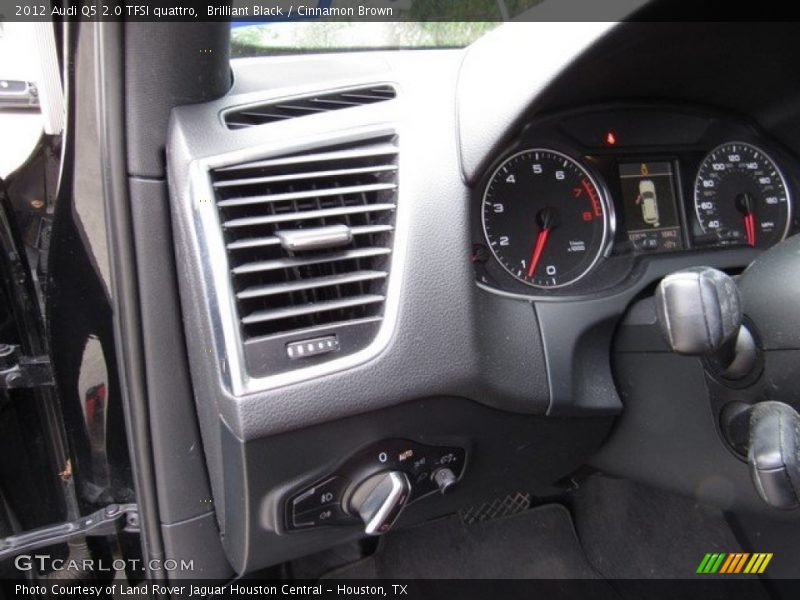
<point x="581" y="198"/>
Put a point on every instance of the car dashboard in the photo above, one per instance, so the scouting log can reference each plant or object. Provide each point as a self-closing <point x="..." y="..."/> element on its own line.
<point x="376" y="298"/>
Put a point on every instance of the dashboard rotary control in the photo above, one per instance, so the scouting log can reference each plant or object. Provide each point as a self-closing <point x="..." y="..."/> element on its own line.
<point x="380" y="499"/>
<point x="444" y="479"/>
<point x="374" y="485"/>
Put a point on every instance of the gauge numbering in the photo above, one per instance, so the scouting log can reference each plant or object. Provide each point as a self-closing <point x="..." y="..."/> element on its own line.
<point x="545" y="218"/>
<point x="741" y="197"/>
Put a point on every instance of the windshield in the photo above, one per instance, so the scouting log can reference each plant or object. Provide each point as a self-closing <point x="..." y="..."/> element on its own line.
<point x="261" y="39"/>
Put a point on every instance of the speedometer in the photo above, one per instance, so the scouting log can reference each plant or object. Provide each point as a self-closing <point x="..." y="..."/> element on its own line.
<point x="741" y="197"/>
<point x="545" y="218"/>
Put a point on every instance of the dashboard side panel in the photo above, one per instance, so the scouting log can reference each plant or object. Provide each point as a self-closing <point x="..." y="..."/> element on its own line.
<point x="444" y="327"/>
<point x="667" y="436"/>
<point x="434" y="346"/>
<point x="506" y="453"/>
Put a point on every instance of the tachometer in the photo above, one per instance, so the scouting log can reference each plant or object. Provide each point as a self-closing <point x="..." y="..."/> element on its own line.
<point x="741" y="197"/>
<point x="545" y="218"/>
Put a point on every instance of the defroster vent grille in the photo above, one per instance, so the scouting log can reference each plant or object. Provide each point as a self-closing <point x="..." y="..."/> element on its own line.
<point x="270" y="112"/>
<point x="309" y="238"/>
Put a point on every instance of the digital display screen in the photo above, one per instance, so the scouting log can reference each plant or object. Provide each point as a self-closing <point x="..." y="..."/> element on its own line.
<point x="651" y="210"/>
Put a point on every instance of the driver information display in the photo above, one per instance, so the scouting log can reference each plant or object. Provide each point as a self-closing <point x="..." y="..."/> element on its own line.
<point x="651" y="212"/>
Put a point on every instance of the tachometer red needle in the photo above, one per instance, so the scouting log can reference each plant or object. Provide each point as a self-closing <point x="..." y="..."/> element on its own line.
<point x="541" y="240"/>
<point x="750" y="228"/>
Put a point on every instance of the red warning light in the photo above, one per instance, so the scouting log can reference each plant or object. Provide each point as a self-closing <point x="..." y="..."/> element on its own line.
<point x="611" y="139"/>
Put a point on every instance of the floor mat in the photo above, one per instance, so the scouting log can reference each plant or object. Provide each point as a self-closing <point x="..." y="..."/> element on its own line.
<point x="536" y="544"/>
<point x="632" y="531"/>
<point x="630" y="540"/>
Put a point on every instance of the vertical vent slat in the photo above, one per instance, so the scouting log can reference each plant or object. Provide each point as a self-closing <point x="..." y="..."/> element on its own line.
<point x="271" y="112"/>
<point x="309" y="236"/>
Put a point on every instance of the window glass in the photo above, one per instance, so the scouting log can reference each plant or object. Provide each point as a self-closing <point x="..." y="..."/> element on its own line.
<point x="331" y="36"/>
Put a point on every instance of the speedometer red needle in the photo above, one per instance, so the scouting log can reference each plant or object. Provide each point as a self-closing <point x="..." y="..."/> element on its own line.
<point x="541" y="240"/>
<point x="750" y="228"/>
<point x="746" y="204"/>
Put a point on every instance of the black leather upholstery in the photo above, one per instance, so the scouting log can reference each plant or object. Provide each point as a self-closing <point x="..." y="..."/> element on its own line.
<point x="698" y="309"/>
<point x="774" y="453"/>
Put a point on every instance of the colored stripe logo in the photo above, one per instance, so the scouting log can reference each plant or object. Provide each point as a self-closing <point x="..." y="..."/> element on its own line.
<point x="734" y="563"/>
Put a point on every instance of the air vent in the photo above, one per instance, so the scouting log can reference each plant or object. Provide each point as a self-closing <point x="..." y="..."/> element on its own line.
<point x="309" y="239"/>
<point x="308" y="105"/>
